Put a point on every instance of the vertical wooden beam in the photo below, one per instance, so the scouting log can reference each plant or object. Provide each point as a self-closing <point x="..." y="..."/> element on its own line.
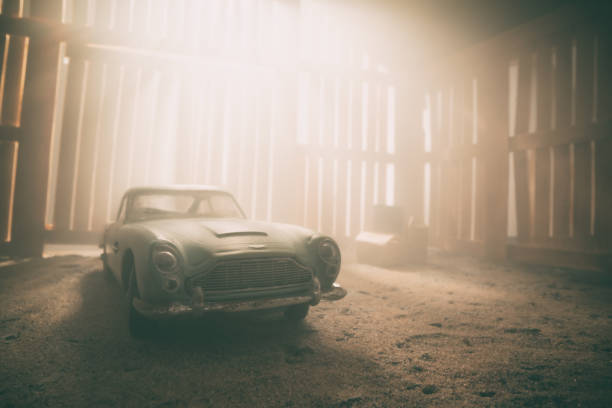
<point x="16" y="53"/>
<point x="8" y="156"/>
<point x="582" y="192"/>
<point x="34" y="154"/>
<point x="561" y="188"/>
<point x="542" y="159"/>
<point x="105" y="147"/>
<point x="76" y="87"/>
<point x="263" y="148"/>
<point x="287" y="165"/>
<point x="493" y="111"/>
<point x="604" y="80"/>
<point x="328" y="148"/>
<point x="521" y="174"/>
<point x="409" y="143"/>
<point x="186" y="128"/>
<point x="125" y="138"/>
<point x="584" y="77"/>
<point x="89" y="133"/>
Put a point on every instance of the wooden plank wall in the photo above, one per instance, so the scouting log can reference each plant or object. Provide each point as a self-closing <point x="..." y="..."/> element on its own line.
<point x="570" y="200"/>
<point x="199" y="112"/>
<point x="558" y="145"/>
<point x="348" y="151"/>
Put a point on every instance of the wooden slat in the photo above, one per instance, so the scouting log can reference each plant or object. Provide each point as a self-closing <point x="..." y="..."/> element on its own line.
<point x="233" y="123"/>
<point x="542" y="155"/>
<point x="562" y="82"/>
<point x="542" y="193"/>
<point x="186" y="129"/>
<point x="521" y="174"/>
<point x="8" y="155"/>
<point x="328" y="119"/>
<point x="582" y="191"/>
<point x="76" y="88"/>
<point x="561" y="190"/>
<point x="124" y="146"/>
<point x="85" y="163"/>
<point x="341" y="196"/>
<point x="457" y="204"/>
<point x="263" y="126"/>
<point x="327" y="198"/>
<point x="33" y="165"/>
<point x="466" y="198"/>
<point x="16" y="52"/>
<point x="287" y="163"/>
<point x="105" y="147"/>
<point x="584" y="77"/>
<point x="522" y="195"/>
<point x="604" y="80"/>
<point x="434" y="203"/>
<point x="342" y="180"/>
<point x="544" y="89"/>
<point x="247" y="151"/>
<point x="493" y="111"/>
<point x="481" y="196"/>
<point x="524" y="84"/>
<point x="312" y="192"/>
<point x="145" y="126"/>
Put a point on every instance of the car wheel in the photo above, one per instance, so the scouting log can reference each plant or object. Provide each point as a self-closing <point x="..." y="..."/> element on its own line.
<point x="139" y="325"/>
<point x="297" y="313"/>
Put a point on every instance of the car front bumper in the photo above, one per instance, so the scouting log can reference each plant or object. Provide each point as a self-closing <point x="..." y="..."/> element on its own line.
<point x="196" y="308"/>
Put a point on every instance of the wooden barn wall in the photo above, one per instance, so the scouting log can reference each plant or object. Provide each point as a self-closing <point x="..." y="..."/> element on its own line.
<point x="520" y="143"/>
<point x="231" y="93"/>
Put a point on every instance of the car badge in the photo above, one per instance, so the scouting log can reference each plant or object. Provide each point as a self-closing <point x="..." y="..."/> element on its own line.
<point x="257" y="246"/>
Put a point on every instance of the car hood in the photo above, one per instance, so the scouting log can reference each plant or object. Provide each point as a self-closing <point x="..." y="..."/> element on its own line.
<point x="199" y="239"/>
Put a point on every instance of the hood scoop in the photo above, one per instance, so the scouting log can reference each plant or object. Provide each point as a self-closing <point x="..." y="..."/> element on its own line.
<point x="232" y="229"/>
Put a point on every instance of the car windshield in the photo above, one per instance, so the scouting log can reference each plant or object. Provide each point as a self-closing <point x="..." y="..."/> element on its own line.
<point x="183" y="205"/>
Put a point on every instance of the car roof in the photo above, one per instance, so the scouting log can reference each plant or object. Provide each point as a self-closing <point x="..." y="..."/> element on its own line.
<point x="188" y="188"/>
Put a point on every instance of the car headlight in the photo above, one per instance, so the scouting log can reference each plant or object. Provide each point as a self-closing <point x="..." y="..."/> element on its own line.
<point x="165" y="259"/>
<point x="327" y="259"/>
<point x="329" y="252"/>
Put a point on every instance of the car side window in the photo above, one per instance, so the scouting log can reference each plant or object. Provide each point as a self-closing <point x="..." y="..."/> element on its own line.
<point x="122" y="210"/>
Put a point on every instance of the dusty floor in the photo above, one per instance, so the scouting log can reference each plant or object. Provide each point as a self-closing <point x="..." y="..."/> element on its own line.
<point x="454" y="333"/>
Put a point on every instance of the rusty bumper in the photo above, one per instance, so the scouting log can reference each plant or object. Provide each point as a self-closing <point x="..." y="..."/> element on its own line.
<point x="198" y="308"/>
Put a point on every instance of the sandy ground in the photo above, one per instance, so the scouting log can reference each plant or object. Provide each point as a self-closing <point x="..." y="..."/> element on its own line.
<point x="457" y="332"/>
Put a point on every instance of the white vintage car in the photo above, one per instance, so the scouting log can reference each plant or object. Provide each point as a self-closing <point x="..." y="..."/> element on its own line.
<point x="190" y="250"/>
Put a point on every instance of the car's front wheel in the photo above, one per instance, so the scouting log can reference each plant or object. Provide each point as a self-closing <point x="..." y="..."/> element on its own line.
<point x="297" y="313"/>
<point x="139" y="325"/>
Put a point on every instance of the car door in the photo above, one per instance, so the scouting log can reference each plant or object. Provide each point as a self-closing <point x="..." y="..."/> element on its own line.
<point x="112" y="245"/>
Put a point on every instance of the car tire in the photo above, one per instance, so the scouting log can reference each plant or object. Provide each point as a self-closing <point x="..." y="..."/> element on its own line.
<point x="140" y="327"/>
<point x="297" y="313"/>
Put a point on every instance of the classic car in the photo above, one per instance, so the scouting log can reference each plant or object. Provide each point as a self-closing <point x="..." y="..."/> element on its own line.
<point x="188" y="250"/>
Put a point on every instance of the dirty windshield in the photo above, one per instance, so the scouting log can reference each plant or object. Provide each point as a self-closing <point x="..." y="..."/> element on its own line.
<point x="183" y="205"/>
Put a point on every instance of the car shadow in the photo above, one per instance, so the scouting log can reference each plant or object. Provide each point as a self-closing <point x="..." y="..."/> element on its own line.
<point x="246" y="359"/>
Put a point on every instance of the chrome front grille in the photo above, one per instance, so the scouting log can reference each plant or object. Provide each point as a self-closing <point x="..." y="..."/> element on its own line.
<point x="253" y="273"/>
